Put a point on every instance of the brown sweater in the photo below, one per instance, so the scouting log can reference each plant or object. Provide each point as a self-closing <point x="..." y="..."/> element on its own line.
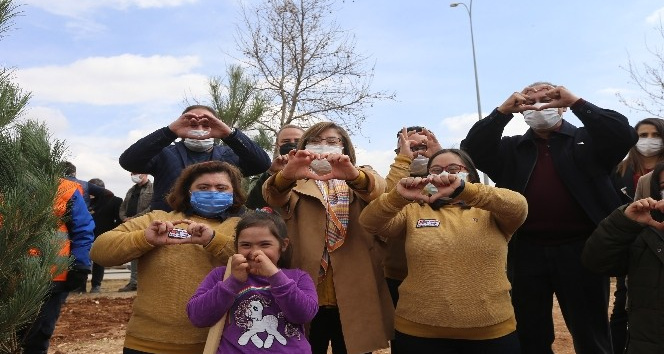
<point x="168" y="276"/>
<point x="457" y="284"/>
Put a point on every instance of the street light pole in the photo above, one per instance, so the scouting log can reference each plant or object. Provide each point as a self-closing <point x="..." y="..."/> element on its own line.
<point x="469" y="10"/>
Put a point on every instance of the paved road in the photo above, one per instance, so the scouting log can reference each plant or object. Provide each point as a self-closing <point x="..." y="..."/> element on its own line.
<point x="115" y="273"/>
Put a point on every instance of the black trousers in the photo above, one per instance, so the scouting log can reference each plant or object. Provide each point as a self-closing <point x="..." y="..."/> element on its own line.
<point x="97" y="274"/>
<point x="37" y="337"/>
<point x="537" y="273"/>
<point x="326" y="328"/>
<point x="406" y="344"/>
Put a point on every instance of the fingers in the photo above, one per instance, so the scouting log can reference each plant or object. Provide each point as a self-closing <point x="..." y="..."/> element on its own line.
<point x="162" y="227"/>
<point x="239" y="262"/>
<point x="414" y="182"/>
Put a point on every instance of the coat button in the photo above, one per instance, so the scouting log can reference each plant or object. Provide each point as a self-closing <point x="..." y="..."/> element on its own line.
<point x="589" y="111"/>
<point x="659" y="250"/>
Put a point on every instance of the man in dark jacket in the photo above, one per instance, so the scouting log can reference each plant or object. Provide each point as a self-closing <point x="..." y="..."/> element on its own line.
<point x="198" y="127"/>
<point x="564" y="173"/>
<point x="630" y="242"/>
<point x="287" y="138"/>
<point x="106" y="215"/>
<point x="136" y="203"/>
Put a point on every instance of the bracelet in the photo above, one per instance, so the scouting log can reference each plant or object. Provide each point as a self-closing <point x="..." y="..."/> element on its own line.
<point x="211" y="238"/>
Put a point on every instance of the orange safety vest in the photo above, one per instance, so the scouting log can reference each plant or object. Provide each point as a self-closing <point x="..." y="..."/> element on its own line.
<point x="66" y="189"/>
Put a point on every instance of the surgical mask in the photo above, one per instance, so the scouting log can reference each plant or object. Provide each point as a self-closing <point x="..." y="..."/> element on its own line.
<point x="322" y="167"/>
<point x="284" y="149"/>
<point x="198" y="145"/>
<point x="210" y="204"/>
<point x="136" y="178"/>
<point x="418" y="167"/>
<point x="544" y="119"/>
<point x="661" y="194"/>
<point x="431" y="189"/>
<point x="649" y="146"/>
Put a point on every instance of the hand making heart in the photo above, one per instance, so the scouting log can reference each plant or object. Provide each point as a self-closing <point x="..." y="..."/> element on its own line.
<point x="300" y="161"/>
<point x="411" y="187"/>
<point x="639" y="211"/>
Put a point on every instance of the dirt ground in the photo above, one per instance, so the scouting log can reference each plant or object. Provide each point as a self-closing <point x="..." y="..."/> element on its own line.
<point x="95" y="323"/>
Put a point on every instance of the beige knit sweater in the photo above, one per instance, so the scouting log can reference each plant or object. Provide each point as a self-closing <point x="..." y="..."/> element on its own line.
<point x="456" y="260"/>
<point x="167" y="277"/>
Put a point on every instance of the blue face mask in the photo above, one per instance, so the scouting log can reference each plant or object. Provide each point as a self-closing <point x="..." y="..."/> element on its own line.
<point x="211" y="204"/>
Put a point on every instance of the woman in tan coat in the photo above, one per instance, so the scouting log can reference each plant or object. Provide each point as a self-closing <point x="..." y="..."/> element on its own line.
<point x="322" y="210"/>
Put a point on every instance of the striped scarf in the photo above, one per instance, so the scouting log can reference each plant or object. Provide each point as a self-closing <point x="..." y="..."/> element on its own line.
<point x="336" y="194"/>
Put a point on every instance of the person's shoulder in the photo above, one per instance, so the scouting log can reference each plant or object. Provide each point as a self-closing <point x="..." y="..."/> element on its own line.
<point x="166" y="215"/>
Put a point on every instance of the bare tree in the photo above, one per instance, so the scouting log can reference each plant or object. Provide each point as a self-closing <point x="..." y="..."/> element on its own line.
<point x="649" y="78"/>
<point x="306" y="64"/>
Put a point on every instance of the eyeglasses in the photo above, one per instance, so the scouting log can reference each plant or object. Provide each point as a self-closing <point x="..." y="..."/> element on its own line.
<point x="286" y="141"/>
<point x="332" y="140"/>
<point x="419" y="148"/>
<point x="451" y="168"/>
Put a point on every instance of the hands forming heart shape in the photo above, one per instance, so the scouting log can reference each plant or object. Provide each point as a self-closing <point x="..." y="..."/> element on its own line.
<point x="552" y="97"/>
<point x="413" y="143"/>
<point x="639" y="211"/>
<point x="303" y="164"/>
<point x="445" y="183"/>
<point x="199" y="124"/>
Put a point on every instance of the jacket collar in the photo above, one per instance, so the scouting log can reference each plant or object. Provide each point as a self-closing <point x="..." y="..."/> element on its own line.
<point x="565" y="129"/>
<point x="309" y="187"/>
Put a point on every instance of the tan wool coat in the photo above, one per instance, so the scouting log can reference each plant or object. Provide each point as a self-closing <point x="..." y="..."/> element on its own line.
<point x="365" y="307"/>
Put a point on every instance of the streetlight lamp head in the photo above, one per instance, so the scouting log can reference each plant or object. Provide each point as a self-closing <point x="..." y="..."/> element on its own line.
<point x="454" y="4"/>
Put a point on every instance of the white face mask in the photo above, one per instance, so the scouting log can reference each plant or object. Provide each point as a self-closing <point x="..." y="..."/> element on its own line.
<point x="322" y="167"/>
<point x="544" y="119"/>
<point x="662" y="194"/>
<point x="198" y="145"/>
<point x="418" y="167"/>
<point x="649" y="146"/>
<point x="136" y="178"/>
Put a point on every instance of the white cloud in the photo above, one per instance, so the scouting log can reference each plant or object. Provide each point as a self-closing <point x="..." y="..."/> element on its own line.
<point x="655" y="17"/>
<point x="379" y="160"/>
<point x="56" y="122"/>
<point x="451" y="130"/>
<point x="123" y="79"/>
<point x="84" y="28"/>
<point x="79" y="8"/>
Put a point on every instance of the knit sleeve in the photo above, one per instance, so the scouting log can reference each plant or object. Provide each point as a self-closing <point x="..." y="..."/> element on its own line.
<point x="295" y="293"/>
<point x="124" y="243"/>
<point x="508" y="208"/>
<point x="384" y="216"/>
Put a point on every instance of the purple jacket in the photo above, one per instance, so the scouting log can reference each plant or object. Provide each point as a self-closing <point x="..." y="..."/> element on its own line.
<point x="265" y="315"/>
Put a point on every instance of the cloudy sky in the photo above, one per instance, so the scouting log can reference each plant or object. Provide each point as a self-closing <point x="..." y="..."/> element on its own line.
<point x="104" y="73"/>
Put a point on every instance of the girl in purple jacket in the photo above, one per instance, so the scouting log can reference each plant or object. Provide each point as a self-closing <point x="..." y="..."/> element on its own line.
<point x="267" y="304"/>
